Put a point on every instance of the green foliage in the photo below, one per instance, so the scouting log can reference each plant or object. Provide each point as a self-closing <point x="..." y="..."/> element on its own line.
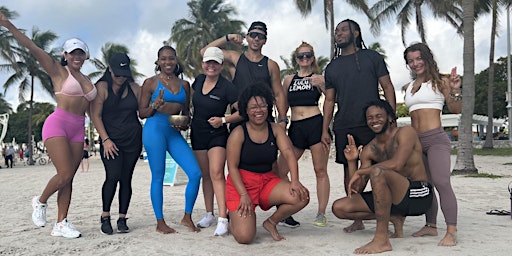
<point x="484" y="175"/>
<point x="489" y="152"/>
<point x="402" y="110"/>
<point x="17" y="126"/>
<point x="500" y="88"/>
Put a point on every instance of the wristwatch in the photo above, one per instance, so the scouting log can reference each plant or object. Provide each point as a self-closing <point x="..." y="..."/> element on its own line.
<point x="284" y="120"/>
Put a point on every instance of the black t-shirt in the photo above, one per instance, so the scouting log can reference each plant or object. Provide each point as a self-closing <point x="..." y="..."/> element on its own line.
<point x="248" y="72"/>
<point x="214" y="103"/>
<point x="355" y="78"/>
<point x="302" y="93"/>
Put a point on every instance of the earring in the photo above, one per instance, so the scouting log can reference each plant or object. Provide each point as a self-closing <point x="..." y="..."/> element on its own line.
<point x="177" y="69"/>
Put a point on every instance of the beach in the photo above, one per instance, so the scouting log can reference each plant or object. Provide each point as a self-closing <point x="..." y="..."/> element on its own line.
<point x="478" y="233"/>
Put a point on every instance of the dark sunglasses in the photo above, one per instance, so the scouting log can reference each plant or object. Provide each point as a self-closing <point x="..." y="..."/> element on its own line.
<point x="303" y="55"/>
<point x="120" y="76"/>
<point x="257" y="34"/>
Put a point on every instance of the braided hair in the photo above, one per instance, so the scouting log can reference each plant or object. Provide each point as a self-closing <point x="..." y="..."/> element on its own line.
<point x="358" y="42"/>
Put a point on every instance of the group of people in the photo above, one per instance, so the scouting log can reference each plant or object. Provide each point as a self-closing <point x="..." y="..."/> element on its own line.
<point x="403" y="165"/>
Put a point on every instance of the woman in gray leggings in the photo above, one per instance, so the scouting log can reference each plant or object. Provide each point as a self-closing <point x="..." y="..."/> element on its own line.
<point x="425" y="97"/>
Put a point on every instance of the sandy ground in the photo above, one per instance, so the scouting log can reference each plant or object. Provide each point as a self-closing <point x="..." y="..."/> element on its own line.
<point x="479" y="233"/>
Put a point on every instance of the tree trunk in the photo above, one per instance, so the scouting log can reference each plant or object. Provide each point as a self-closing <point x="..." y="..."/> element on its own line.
<point x="488" y="144"/>
<point x="30" y="112"/>
<point x="330" y="6"/>
<point x="465" y="162"/>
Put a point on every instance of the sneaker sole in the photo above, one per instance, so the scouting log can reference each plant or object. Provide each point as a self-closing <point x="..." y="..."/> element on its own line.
<point x="288" y="225"/>
<point x="61" y="235"/>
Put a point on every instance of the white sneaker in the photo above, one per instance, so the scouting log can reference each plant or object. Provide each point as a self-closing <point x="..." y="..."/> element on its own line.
<point x="222" y="227"/>
<point x="207" y="220"/>
<point x="39" y="213"/>
<point x="65" y="229"/>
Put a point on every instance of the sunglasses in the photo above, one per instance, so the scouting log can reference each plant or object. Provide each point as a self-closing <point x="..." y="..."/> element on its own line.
<point x="303" y="55"/>
<point x="258" y="35"/>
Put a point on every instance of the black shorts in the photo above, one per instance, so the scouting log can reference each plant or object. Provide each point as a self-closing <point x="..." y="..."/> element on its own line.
<point x="362" y="136"/>
<point x="306" y="132"/>
<point x="416" y="201"/>
<point x="86" y="154"/>
<point x="205" y="139"/>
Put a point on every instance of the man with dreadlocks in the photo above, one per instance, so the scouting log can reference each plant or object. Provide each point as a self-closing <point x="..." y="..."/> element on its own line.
<point x="352" y="80"/>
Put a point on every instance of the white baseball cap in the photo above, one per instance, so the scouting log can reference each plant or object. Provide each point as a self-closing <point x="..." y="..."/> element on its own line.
<point x="213" y="53"/>
<point x="75" y="43"/>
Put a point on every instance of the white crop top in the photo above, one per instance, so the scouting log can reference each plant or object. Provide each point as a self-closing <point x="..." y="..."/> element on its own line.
<point x="425" y="97"/>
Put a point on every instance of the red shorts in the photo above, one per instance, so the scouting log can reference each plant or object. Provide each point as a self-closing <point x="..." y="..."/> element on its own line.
<point x="258" y="186"/>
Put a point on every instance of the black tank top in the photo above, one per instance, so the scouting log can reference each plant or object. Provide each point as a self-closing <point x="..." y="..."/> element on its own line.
<point x="258" y="157"/>
<point x="119" y="117"/>
<point x="248" y="72"/>
<point x="302" y="93"/>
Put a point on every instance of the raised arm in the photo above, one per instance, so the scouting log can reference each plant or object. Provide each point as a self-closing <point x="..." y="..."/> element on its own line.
<point x="47" y="62"/>
<point x="230" y="56"/>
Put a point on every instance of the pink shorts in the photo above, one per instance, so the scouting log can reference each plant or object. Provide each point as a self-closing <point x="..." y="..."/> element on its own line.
<point x="64" y="124"/>
<point x="258" y="186"/>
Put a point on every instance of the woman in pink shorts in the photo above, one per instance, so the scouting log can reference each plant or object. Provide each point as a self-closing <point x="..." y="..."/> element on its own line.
<point x="251" y="149"/>
<point x="63" y="130"/>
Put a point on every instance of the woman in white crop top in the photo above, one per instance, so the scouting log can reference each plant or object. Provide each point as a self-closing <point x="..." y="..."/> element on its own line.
<point x="63" y="131"/>
<point x="425" y="97"/>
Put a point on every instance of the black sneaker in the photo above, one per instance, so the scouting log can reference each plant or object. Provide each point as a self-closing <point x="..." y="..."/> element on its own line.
<point x="121" y="225"/>
<point x="289" y="222"/>
<point x="106" y="227"/>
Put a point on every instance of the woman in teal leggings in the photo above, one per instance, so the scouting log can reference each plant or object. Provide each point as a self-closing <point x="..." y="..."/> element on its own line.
<point x="162" y="95"/>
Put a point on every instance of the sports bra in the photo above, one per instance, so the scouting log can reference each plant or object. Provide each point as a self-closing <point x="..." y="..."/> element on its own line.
<point x="71" y="87"/>
<point x="302" y="93"/>
<point x="425" y="97"/>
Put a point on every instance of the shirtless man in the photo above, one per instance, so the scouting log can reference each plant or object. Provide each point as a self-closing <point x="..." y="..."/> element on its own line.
<point x="398" y="178"/>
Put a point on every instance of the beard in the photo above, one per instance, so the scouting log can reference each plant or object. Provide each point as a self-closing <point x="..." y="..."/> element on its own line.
<point x="346" y="44"/>
<point x="384" y="129"/>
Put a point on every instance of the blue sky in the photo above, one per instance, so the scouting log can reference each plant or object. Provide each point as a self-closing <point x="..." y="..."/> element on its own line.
<point x="144" y="25"/>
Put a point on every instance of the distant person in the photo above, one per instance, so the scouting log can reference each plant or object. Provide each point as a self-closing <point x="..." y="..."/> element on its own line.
<point x="393" y="163"/>
<point x="9" y="156"/>
<point x="85" y="158"/>
<point x="351" y="81"/>
<point x="251" y="150"/>
<point x="163" y="95"/>
<point x="64" y="129"/>
<point x="425" y="97"/>
<point x="114" y="114"/>
<point x="303" y="91"/>
<point x="212" y="94"/>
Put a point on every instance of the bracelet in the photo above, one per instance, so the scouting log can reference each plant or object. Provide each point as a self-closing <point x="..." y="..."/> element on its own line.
<point x="456" y="96"/>
<point x="223" y="120"/>
<point x="227" y="37"/>
<point x="107" y="138"/>
<point x="283" y="120"/>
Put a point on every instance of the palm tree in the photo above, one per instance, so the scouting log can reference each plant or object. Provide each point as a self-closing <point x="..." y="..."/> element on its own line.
<point x="405" y="9"/>
<point x="305" y="6"/>
<point x="5" y="107"/>
<point x="6" y="39"/>
<point x="465" y="162"/>
<point x="209" y="20"/>
<point x="27" y="69"/>
<point x="107" y="50"/>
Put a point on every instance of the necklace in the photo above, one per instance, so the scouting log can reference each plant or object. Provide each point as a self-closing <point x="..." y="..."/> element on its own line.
<point x="165" y="79"/>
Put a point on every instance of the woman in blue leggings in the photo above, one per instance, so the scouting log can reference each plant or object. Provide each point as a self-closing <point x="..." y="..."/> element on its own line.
<point x="162" y="95"/>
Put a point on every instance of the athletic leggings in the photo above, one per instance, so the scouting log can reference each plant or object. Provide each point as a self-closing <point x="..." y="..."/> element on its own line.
<point x="158" y="137"/>
<point x="436" y="155"/>
<point x="118" y="170"/>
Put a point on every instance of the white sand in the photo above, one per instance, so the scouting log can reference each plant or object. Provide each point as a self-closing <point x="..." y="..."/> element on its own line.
<point x="479" y="234"/>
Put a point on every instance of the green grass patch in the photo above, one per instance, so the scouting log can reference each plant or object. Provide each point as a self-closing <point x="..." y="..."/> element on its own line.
<point x="484" y="175"/>
<point x="489" y="152"/>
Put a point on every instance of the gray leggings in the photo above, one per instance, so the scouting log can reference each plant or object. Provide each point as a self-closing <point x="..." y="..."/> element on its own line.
<point x="436" y="155"/>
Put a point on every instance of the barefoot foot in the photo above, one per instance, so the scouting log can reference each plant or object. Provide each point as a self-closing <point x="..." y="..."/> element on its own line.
<point x="270" y="226"/>
<point x="187" y="222"/>
<point x="427" y="230"/>
<point x="374" y="247"/>
<point x="450" y="239"/>
<point x="357" y="225"/>
<point x="398" y="223"/>
<point x="162" y="228"/>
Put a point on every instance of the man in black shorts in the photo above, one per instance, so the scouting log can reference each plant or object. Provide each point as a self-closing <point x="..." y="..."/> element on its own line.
<point x="352" y="80"/>
<point x="393" y="162"/>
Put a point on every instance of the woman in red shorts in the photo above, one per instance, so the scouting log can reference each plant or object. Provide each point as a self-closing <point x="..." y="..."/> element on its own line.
<point x="251" y="149"/>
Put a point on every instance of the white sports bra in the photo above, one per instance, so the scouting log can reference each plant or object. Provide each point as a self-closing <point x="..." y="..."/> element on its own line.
<point x="425" y="97"/>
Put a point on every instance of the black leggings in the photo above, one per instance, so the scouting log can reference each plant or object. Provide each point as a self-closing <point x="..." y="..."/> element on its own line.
<point x="119" y="169"/>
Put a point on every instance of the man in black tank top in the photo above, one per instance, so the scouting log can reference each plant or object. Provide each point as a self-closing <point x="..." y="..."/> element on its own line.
<point x="251" y="66"/>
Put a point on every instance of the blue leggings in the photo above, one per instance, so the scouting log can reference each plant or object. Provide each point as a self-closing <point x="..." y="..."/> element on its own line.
<point x="158" y="137"/>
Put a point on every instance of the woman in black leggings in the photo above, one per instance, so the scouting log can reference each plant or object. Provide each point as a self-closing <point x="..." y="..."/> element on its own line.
<point x="114" y="113"/>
